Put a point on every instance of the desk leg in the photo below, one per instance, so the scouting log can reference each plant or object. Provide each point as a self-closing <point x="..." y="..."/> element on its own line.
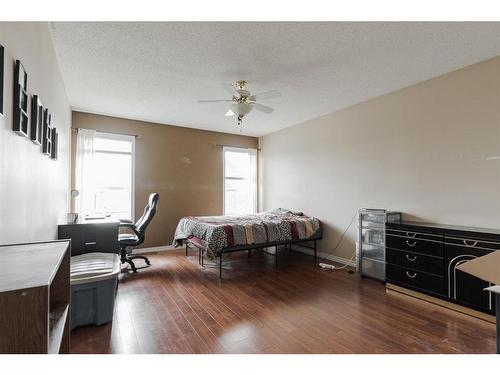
<point x="497" y="306"/>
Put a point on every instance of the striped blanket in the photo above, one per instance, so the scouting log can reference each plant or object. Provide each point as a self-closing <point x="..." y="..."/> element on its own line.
<point x="220" y="232"/>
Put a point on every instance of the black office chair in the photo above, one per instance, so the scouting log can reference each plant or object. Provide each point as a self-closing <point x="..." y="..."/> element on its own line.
<point x="139" y="229"/>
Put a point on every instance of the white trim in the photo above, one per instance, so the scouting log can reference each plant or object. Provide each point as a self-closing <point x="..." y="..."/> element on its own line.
<point x="333" y="258"/>
<point x="132" y="187"/>
<point x="224" y="180"/>
<point x="348" y="262"/>
<point x="253" y="152"/>
<point x="157" y="249"/>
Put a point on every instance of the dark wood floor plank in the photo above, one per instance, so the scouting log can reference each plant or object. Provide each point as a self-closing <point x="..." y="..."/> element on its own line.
<point x="179" y="330"/>
<point x="157" y="326"/>
<point x="224" y="316"/>
<point x="175" y="306"/>
<point x="176" y="294"/>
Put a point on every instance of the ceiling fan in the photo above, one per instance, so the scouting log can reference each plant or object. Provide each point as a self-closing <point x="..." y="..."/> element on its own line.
<point x="242" y="101"/>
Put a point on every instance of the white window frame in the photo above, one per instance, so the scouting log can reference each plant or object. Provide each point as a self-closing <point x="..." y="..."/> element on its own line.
<point x="130" y="138"/>
<point x="242" y="150"/>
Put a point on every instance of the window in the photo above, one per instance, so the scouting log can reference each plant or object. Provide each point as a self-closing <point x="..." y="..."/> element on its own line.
<point x="240" y="181"/>
<point x="113" y="174"/>
<point x="107" y="176"/>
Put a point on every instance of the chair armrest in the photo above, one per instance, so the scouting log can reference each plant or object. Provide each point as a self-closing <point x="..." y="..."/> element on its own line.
<point x="132" y="227"/>
<point x="127" y="225"/>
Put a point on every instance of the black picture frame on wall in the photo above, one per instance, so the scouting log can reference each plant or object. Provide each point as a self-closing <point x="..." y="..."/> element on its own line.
<point x="1" y="78"/>
<point x="36" y="122"/>
<point x="20" y="118"/>
<point x="46" y="133"/>
<point x="54" y="137"/>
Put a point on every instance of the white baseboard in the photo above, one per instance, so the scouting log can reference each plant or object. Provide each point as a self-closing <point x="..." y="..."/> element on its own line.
<point x="333" y="258"/>
<point x="348" y="262"/>
<point x="156" y="249"/>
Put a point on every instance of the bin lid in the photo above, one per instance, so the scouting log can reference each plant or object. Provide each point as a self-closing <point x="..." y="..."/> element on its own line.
<point x="91" y="267"/>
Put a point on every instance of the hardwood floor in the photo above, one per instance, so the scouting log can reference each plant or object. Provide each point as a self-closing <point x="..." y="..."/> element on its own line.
<point x="174" y="306"/>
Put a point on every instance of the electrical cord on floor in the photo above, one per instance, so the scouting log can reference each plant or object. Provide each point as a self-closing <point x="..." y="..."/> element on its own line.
<point x="341" y="240"/>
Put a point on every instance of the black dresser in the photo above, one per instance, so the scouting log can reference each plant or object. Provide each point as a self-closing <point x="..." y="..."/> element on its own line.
<point x="423" y="258"/>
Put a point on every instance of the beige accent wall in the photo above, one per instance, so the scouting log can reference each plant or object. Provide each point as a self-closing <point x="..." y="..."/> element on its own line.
<point x="33" y="188"/>
<point x="431" y="150"/>
<point x="183" y="165"/>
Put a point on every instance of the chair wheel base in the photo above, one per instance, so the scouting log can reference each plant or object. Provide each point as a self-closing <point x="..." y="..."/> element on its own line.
<point x="131" y="264"/>
<point x="125" y="258"/>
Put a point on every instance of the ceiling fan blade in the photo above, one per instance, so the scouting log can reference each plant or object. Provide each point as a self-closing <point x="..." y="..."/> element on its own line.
<point x="262" y="108"/>
<point x="230" y="89"/>
<point x="215" y="101"/>
<point x="266" y="95"/>
<point x="229" y="113"/>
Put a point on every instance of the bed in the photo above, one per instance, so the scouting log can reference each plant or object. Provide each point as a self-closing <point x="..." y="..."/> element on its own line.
<point x="215" y="236"/>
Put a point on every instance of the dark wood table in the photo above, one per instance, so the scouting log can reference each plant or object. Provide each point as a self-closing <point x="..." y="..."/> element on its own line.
<point x="35" y="298"/>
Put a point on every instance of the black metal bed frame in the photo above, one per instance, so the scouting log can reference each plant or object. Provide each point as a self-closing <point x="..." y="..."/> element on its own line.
<point x="249" y="248"/>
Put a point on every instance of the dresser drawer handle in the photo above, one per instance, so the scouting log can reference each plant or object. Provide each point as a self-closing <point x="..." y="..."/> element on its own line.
<point x="410" y="275"/>
<point x="411" y="235"/>
<point x="411" y="244"/>
<point x="469" y="244"/>
<point x="410" y="258"/>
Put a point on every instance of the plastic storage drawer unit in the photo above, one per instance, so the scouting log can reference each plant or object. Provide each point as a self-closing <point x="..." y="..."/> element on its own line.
<point x="94" y="280"/>
<point x="371" y="241"/>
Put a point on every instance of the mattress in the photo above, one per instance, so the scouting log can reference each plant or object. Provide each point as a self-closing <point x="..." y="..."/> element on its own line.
<point x="217" y="233"/>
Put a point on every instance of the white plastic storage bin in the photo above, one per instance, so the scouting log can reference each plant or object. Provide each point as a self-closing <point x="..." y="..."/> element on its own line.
<point x="94" y="280"/>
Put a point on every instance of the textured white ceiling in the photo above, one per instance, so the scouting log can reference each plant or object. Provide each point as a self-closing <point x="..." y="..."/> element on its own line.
<point x="157" y="71"/>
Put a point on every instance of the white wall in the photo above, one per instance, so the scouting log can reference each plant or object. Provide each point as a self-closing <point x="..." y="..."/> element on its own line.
<point x="33" y="188"/>
<point x="422" y="150"/>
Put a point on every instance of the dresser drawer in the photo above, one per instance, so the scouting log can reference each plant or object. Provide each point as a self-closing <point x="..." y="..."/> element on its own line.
<point x="415" y="245"/>
<point x="467" y="243"/>
<point x="416" y="261"/>
<point x="414" y="234"/>
<point x="415" y="279"/>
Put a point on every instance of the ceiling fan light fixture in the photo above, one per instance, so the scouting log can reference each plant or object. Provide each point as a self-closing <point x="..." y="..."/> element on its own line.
<point x="244" y="109"/>
<point x="242" y="101"/>
<point x="240" y="109"/>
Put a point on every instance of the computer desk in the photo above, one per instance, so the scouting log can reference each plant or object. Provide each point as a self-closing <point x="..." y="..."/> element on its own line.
<point x="93" y="235"/>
